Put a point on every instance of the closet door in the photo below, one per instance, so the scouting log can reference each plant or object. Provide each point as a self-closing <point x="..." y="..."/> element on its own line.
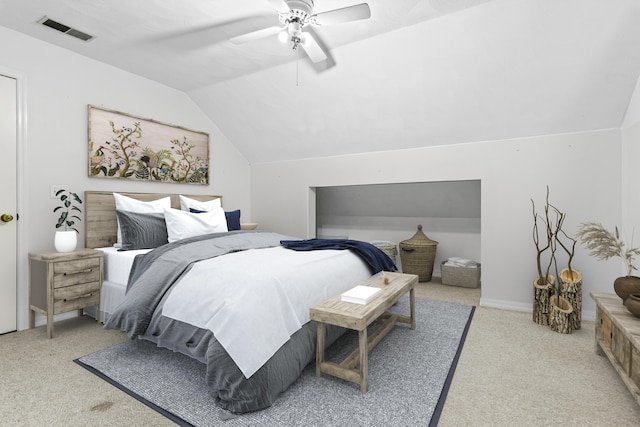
<point x="8" y="203"/>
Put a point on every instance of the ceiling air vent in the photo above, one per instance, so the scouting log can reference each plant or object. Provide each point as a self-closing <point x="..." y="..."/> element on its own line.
<point x="65" y="29"/>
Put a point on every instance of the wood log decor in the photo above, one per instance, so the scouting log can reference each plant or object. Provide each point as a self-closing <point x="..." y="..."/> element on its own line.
<point x="541" y="296"/>
<point x="561" y="307"/>
<point x="560" y="314"/>
<point x="571" y="290"/>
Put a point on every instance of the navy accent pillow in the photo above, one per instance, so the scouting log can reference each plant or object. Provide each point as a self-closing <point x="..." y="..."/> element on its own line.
<point x="233" y="218"/>
<point x="142" y="231"/>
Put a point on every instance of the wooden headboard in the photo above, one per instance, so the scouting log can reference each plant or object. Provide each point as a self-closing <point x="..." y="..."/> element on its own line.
<point x="101" y="226"/>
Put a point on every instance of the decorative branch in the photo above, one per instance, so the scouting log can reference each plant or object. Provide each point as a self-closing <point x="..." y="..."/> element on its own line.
<point x="569" y="251"/>
<point x="554" y="231"/>
<point x="542" y="279"/>
<point x="550" y="236"/>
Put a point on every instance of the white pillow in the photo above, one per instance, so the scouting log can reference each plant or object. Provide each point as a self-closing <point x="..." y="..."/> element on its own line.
<point x="124" y="203"/>
<point x="186" y="203"/>
<point x="181" y="224"/>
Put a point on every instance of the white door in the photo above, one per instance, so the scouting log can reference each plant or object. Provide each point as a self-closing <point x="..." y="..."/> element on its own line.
<point x="8" y="204"/>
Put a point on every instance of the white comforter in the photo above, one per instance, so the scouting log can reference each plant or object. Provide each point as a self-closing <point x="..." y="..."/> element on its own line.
<point x="253" y="311"/>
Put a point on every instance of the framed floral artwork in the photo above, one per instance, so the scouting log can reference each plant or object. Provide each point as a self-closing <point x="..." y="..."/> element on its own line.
<point x="128" y="147"/>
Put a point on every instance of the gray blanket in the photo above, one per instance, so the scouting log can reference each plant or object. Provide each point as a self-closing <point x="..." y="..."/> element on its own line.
<point x="153" y="274"/>
<point x="151" y="278"/>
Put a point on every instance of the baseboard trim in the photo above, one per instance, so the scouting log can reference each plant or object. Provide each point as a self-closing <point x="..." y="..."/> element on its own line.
<point x="524" y="308"/>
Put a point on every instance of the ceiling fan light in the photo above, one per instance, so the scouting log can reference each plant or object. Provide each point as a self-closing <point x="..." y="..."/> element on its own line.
<point x="304" y="39"/>
<point x="283" y="36"/>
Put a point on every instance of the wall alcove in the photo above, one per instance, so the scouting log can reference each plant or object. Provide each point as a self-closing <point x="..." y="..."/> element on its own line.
<point x="449" y="212"/>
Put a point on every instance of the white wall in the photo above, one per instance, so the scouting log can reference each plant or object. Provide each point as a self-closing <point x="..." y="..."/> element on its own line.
<point x="581" y="169"/>
<point x="59" y="85"/>
<point x="631" y="172"/>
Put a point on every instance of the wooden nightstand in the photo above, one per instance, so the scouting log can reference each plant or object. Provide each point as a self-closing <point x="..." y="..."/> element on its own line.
<point x="62" y="282"/>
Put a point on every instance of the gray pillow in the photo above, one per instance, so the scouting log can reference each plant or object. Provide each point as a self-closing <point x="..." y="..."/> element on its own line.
<point x="142" y="231"/>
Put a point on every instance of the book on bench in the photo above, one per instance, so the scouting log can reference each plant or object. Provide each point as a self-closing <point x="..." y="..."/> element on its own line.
<point x="360" y="294"/>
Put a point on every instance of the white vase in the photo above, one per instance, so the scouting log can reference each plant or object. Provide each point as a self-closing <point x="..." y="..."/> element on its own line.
<point x="66" y="241"/>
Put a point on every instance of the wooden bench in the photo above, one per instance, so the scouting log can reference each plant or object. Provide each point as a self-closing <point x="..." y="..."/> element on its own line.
<point x="618" y="338"/>
<point x="358" y="317"/>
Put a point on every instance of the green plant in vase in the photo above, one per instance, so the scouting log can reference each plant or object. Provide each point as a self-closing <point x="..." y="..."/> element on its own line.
<point x="66" y="238"/>
<point x="68" y="209"/>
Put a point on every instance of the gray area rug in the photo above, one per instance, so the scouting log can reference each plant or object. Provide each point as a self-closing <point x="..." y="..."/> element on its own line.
<point x="409" y="376"/>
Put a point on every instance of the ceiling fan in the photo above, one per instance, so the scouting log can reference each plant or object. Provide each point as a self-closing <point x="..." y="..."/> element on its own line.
<point x="297" y="18"/>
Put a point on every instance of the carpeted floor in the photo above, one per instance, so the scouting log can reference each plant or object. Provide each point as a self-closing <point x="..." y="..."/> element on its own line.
<point x="512" y="372"/>
<point x="408" y="371"/>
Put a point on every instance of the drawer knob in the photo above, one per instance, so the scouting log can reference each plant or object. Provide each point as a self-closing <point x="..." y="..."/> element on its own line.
<point x="6" y="217"/>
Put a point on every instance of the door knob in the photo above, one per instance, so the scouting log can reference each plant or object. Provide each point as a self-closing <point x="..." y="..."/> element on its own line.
<point x="6" y="217"/>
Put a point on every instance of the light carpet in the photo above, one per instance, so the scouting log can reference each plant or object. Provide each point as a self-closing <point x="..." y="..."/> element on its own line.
<point x="409" y="376"/>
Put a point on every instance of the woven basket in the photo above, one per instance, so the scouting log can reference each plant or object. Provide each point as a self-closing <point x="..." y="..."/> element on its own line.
<point x="418" y="255"/>
<point x="460" y="276"/>
<point x="387" y="247"/>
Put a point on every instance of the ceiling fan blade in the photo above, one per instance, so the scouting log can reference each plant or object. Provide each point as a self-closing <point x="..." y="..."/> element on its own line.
<point x="255" y="35"/>
<point x="313" y="49"/>
<point x="279" y="5"/>
<point x="209" y="34"/>
<point x="450" y="6"/>
<point x="327" y="63"/>
<point x="345" y="14"/>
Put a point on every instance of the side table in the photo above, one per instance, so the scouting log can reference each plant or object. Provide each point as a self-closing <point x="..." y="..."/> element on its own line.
<point x="64" y="281"/>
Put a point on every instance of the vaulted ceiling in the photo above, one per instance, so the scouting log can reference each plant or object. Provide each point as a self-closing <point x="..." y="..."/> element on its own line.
<point x="417" y="73"/>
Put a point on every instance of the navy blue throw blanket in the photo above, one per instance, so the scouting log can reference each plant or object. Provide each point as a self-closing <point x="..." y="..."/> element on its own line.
<point x="373" y="256"/>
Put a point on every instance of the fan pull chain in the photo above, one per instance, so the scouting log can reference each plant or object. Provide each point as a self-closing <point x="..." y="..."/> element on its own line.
<point x="297" y="71"/>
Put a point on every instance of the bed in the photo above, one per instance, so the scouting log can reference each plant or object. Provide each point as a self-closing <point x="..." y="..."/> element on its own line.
<point x="236" y="300"/>
<point x="101" y="233"/>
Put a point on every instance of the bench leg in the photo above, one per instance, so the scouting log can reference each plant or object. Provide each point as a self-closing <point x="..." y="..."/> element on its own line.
<point x="320" y="349"/>
<point x="412" y="308"/>
<point x="364" y="360"/>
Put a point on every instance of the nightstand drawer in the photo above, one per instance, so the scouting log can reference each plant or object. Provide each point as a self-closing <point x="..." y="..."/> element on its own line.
<point x="76" y="291"/>
<point x="75" y="301"/>
<point x="69" y="273"/>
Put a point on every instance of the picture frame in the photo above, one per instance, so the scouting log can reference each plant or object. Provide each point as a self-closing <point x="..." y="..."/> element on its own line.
<point x="123" y="146"/>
